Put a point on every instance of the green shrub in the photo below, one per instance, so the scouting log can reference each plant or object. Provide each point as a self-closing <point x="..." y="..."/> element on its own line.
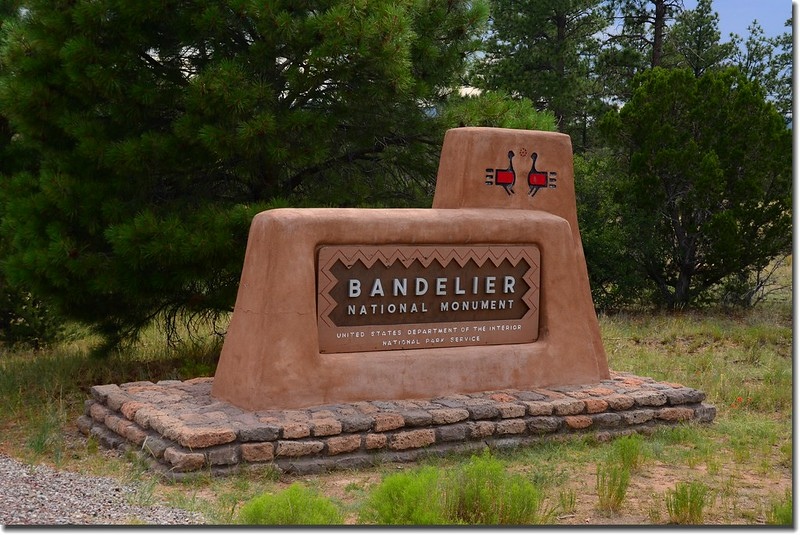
<point x="685" y="504"/>
<point x="296" y="505"/>
<point x="482" y="492"/>
<point x="407" y="498"/>
<point x="479" y="492"/>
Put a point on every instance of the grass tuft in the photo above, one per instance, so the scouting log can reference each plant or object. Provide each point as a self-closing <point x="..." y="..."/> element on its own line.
<point x="781" y="512"/>
<point x="612" y="486"/>
<point x="687" y="502"/>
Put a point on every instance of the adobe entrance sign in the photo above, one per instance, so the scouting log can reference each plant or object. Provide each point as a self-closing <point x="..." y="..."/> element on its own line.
<point x="413" y="297"/>
<point x="356" y="332"/>
<point x="486" y="290"/>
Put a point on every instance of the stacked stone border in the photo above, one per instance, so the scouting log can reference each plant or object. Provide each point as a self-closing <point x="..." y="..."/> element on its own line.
<point x="184" y="431"/>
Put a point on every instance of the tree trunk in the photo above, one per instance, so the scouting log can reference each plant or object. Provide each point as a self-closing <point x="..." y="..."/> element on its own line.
<point x="659" y="23"/>
<point x="561" y="37"/>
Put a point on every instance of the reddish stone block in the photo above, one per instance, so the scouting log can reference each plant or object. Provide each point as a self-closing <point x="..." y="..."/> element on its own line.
<point x="200" y="381"/>
<point x="578" y="422"/>
<point x="182" y="461"/>
<point x="386" y="421"/>
<point x="632" y="381"/>
<point x="365" y="407"/>
<point x="511" y="410"/>
<point x="375" y="441"/>
<point x="129" y="409"/>
<point x="675" y="414"/>
<point x="214" y="417"/>
<point x="296" y="430"/>
<point x="144" y="415"/>
<point x="619" y="402"/>
<point x="481" y="429"/>
<point x="98" y="413"/>
<point x="326" y="427"/>
<point x="448" y="416"/>
<point x="195" y="418"/>
<point x="649" y="399"/>
<point x="511" y="427"/>
<point x="116" y="399"/>
<point x="295" y="416"/>
<point x="599" y="391"/>
<point x="502" y="397"/>
<point x="539" y="408"/>
<point x="135" y="434"/>
<point x="258" y="452"/>
<point x="418" y="438"/>
<point x="343" y="444"/>
<point x="101" y="392"/>
<point x="593" y="405"/>
<point x="564" y="407"/>
<point x="549" y="394"/>
<point x="289" y="448"/>
<point x="165" y="425"/>
<point x="204" y="437"/>
<point x="637" y="417"/>
<point x="116" y="424"/>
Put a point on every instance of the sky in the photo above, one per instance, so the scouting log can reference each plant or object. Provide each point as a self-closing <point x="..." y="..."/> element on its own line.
<point x="736" y="15"/>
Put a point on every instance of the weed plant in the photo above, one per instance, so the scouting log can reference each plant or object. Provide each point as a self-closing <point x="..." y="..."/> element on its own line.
<point x="780" y="512"/>
<point x="687" y="502"/>
<point x="567" y="501"/>
<point x="612" y="485"/>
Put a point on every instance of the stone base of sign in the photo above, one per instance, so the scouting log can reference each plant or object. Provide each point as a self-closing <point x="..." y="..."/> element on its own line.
<point x="186" y="432"/>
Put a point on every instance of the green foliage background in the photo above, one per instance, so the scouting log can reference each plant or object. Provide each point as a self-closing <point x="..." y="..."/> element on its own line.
<point x="138" y="140"/>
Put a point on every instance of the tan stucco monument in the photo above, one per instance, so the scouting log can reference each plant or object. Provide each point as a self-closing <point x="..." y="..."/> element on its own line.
<point x="487" y="290"/>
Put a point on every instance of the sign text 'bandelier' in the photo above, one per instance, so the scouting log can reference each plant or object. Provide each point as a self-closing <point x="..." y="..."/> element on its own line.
<point x="402" y="297"/>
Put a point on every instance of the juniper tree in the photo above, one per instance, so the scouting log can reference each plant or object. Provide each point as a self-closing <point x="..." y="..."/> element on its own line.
<point x="705" y="180"/>
<point x="161" y="127"/>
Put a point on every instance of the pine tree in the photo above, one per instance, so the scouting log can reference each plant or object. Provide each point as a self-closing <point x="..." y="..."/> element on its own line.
<point x="540" y="51"/>
<point x="694" y="41"/>
<point x="635" y="43"/>
<point x="162" y="127"/>
<point x="768" y="60"/>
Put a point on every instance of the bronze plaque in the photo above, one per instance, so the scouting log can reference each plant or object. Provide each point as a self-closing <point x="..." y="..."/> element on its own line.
<point x="375" y="298"/>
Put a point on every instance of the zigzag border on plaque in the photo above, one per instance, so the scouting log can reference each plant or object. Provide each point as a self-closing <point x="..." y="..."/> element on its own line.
<point x="426" y="255"/>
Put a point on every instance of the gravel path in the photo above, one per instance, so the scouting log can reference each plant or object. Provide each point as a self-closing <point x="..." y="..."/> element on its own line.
<point x="39" y="495"/>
